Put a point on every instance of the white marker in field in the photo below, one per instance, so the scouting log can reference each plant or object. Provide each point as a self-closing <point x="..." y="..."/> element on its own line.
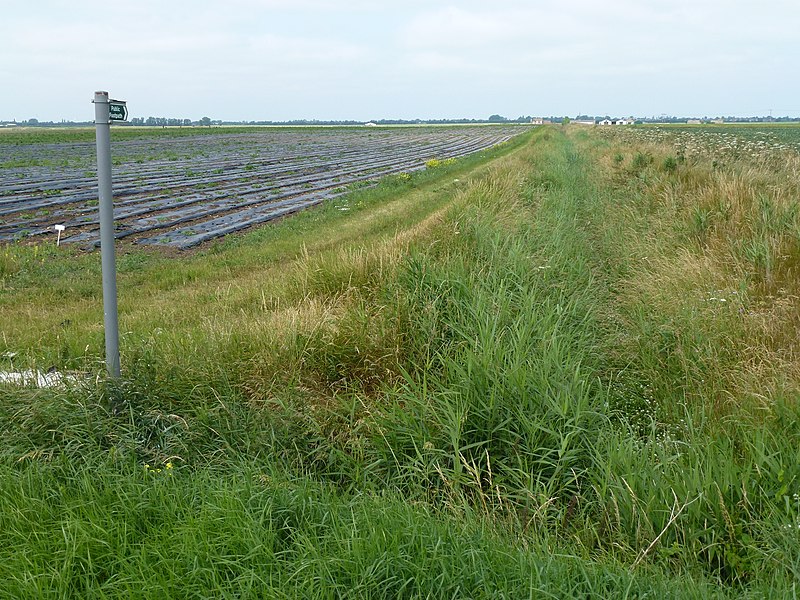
<point x="59" y="229"/>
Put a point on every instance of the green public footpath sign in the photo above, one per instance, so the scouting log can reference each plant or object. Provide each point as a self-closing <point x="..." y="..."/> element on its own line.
<point x="117" y="111"/>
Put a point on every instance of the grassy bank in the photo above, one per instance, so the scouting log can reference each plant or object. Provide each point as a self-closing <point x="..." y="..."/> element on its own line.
<point x="502" y="378"/>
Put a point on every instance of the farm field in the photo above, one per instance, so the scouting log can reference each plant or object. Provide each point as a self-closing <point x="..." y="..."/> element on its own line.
<point x="756" y="143"/>
<point x="565" y="366"/>
<point x="187" y="189"/>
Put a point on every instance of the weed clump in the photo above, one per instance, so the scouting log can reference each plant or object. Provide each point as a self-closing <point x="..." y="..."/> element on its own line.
<point x="670" y="164"/>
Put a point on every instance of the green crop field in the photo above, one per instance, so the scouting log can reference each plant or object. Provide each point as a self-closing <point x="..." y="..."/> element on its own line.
<point x="565" y="367"/>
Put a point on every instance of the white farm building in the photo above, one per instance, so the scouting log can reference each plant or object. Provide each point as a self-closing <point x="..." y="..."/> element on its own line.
<point x="628" y="121"/>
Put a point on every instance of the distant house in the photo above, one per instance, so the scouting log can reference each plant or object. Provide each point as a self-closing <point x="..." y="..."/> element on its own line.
<point x="694" y="121"/>
<point x="628" y="121"/>
<point x="370" y="124"/>
<point x="537" y="121"/>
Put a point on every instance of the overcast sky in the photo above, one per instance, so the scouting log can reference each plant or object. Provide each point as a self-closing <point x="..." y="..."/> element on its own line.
<point x="359" y="59"/>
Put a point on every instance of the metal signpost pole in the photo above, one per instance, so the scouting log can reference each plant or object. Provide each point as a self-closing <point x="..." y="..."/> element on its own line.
<point x="108" y="258"/>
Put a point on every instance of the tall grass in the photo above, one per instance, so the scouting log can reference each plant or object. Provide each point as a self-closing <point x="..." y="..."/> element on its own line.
<point x="107" y="528"/>
<point x="705" y="361"/>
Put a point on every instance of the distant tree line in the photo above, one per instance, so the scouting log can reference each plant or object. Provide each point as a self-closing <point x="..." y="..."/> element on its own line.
<point x="208" y="122"/>
<point x="170" y="122"/>
<point x="160" y="122"/>
<point x="463" y="121"/>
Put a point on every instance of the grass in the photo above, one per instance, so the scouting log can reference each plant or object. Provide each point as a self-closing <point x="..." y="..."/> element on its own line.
<point x="121" y="532"/>
<point x="512" y="376"/>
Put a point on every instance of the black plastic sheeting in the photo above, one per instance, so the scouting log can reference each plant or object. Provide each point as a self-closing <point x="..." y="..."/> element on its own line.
<point x="181" y="192"/>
